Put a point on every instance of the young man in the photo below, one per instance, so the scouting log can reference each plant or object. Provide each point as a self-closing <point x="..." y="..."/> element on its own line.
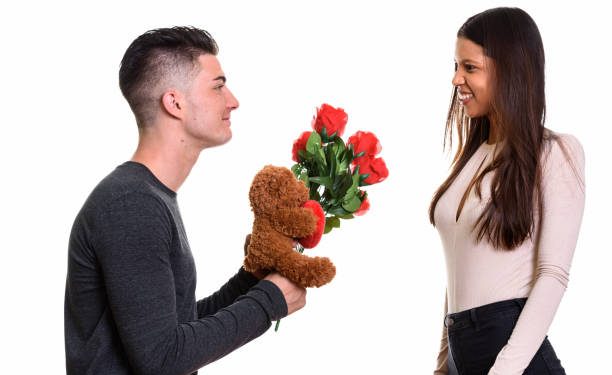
<point x="130" y="293"/>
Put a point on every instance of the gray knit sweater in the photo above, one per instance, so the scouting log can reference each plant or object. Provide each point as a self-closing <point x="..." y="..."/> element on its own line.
<point x="130" y="303"/>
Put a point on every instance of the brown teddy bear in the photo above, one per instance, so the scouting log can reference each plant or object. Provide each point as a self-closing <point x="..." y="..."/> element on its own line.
<point x="277" y="198"/>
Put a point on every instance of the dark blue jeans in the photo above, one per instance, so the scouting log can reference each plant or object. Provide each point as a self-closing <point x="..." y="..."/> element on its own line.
<point x="476" y="336"/>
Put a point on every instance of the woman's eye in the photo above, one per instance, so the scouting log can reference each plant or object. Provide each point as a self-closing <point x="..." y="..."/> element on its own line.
<point x="469" y="67"/>
<point x="456" y="67"/>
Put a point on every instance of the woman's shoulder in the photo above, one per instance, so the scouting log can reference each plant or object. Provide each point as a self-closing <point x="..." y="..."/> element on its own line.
<point x="563" y="155"/>
<point x="561" y="146"/>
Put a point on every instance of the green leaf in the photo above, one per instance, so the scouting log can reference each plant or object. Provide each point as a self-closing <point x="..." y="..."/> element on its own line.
<point x="320" y="162"/>
<point x="352" y="204"/>
<point x="296" y="169"/>
<point x="314" y="143"/>
<point x="304" y="155"/>
<point x="340" y="144"/>
<point x="331" y="222"/>
<point x="333" y="167"/>
<point x="314" y="192"/>
<point x="357" y="178"/>
<point x="304" y="177"/>
<point x="325" y="181"/>
<point x="343" y="164"/>
<point x="338" y="211"/>
<point x="362" y="179"/>
<point x="341" y="185"/>
<point x="326" y="137"/>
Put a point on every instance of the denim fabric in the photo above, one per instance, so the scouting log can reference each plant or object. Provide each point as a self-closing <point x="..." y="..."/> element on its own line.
<point x="476" y="336"/>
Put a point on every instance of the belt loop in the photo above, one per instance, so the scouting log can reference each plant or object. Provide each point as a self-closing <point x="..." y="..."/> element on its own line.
<point x="474" y="319"/>
<point x="448" y="321"/>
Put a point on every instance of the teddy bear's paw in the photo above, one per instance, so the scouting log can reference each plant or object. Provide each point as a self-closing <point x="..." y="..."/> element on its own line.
<point x="323" y="271"/>
<point x="315" y="272"/>
<point x="254" y="263"/>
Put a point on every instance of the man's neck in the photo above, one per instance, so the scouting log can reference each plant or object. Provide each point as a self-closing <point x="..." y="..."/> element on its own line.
<point x="167" y="156"/>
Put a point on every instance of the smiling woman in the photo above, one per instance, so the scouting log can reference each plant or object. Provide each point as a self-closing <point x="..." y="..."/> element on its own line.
<point x="473" y="78"/>
<point x="514" y="199"/>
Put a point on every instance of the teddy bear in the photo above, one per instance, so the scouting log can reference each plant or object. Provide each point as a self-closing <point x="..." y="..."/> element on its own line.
<point x="283" y="216"/>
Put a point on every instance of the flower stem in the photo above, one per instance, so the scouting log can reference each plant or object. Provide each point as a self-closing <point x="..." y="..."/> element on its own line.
<point x="299" y="248"/>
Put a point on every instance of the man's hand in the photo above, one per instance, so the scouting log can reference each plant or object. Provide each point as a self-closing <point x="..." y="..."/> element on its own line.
<point x="295" y="296"/>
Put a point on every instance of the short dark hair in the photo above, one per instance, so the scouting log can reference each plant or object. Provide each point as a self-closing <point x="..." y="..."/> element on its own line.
<point x="157" y="58"/>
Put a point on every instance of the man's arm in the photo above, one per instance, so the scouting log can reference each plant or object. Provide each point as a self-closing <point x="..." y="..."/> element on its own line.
<point x="238" y="285"/>
<point x="134" y="257"/>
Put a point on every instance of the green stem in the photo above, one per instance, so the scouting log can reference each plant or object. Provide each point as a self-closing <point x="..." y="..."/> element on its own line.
<point x="300" y="249"/>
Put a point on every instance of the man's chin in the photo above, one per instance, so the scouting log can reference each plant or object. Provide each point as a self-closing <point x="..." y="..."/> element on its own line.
<point x="219" y="141"/>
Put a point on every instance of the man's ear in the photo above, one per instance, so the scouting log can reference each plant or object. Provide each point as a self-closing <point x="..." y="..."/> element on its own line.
<point x="173" y="104"/>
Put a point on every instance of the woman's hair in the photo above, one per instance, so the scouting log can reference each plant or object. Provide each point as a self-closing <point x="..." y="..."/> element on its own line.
<point x="510" y="38"/>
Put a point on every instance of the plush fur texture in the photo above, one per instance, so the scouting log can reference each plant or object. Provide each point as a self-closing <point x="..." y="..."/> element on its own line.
<point x="276" y="196"/>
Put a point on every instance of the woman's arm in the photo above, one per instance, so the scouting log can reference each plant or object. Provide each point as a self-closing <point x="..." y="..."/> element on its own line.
<point x="441" y="362"/>
<point x="563" y="205"/>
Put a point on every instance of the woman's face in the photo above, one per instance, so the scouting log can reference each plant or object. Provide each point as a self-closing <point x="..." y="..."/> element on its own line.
<point x="473" y="78"/>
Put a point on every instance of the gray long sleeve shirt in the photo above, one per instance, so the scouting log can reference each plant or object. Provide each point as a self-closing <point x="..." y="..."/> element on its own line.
<point x="130" y="303"/>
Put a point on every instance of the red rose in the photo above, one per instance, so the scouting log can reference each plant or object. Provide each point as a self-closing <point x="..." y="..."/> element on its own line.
<point x="365" y="206"/>
<point x="332" y="119"/>
<point x="299" y="144"/>
<point x="374" y="167"/>
<point x="365" y="142"/>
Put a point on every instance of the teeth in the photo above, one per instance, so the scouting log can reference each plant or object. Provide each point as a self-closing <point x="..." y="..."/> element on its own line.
<point x="463" y="97"/>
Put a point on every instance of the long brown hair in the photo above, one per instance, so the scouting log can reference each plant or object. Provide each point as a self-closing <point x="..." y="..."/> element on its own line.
<point x="510" y="37"/>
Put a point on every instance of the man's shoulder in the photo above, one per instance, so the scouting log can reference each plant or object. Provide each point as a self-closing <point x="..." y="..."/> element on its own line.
<point x="121" y="181"/>
<point x="128" y="181"/>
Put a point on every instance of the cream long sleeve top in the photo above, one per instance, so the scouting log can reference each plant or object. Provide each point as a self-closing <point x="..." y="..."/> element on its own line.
<point x="479" y="274"/>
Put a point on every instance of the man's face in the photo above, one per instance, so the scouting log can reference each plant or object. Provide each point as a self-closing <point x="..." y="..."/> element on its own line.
<point x="209" y="104"/>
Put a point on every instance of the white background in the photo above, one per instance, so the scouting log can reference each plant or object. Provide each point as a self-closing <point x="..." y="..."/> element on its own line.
<point x="65" y="126"/>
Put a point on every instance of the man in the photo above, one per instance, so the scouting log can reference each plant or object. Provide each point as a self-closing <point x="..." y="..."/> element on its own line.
<point x="130" y="293"/>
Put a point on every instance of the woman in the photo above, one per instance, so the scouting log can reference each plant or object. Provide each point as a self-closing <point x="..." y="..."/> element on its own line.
<point x="510" y="210"/>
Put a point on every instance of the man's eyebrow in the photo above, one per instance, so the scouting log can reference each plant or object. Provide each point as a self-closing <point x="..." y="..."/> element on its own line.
<point x="222" y="78"/>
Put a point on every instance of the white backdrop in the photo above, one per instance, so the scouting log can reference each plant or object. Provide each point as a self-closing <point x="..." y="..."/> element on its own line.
<point x="65" y="126"/>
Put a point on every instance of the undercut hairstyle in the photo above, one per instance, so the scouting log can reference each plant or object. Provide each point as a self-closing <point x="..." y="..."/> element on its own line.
<point x="157" y="60"/>
<point x="510" y="37"/>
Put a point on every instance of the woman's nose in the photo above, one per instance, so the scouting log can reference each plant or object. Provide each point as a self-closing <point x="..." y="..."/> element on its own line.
<point x="458" y="79"/>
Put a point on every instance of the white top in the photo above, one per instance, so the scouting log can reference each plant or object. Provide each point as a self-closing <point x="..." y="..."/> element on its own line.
<point x="479" y="274"/>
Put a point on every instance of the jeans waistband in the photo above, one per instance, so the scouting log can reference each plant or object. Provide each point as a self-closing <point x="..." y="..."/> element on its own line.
<point x="472" y="315"/>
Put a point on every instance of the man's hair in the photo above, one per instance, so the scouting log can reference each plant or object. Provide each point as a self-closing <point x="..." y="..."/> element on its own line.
<point x="157" y="60"/>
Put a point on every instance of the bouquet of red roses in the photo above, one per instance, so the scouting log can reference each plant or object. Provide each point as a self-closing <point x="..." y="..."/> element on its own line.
<point x="335" y="172"/>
